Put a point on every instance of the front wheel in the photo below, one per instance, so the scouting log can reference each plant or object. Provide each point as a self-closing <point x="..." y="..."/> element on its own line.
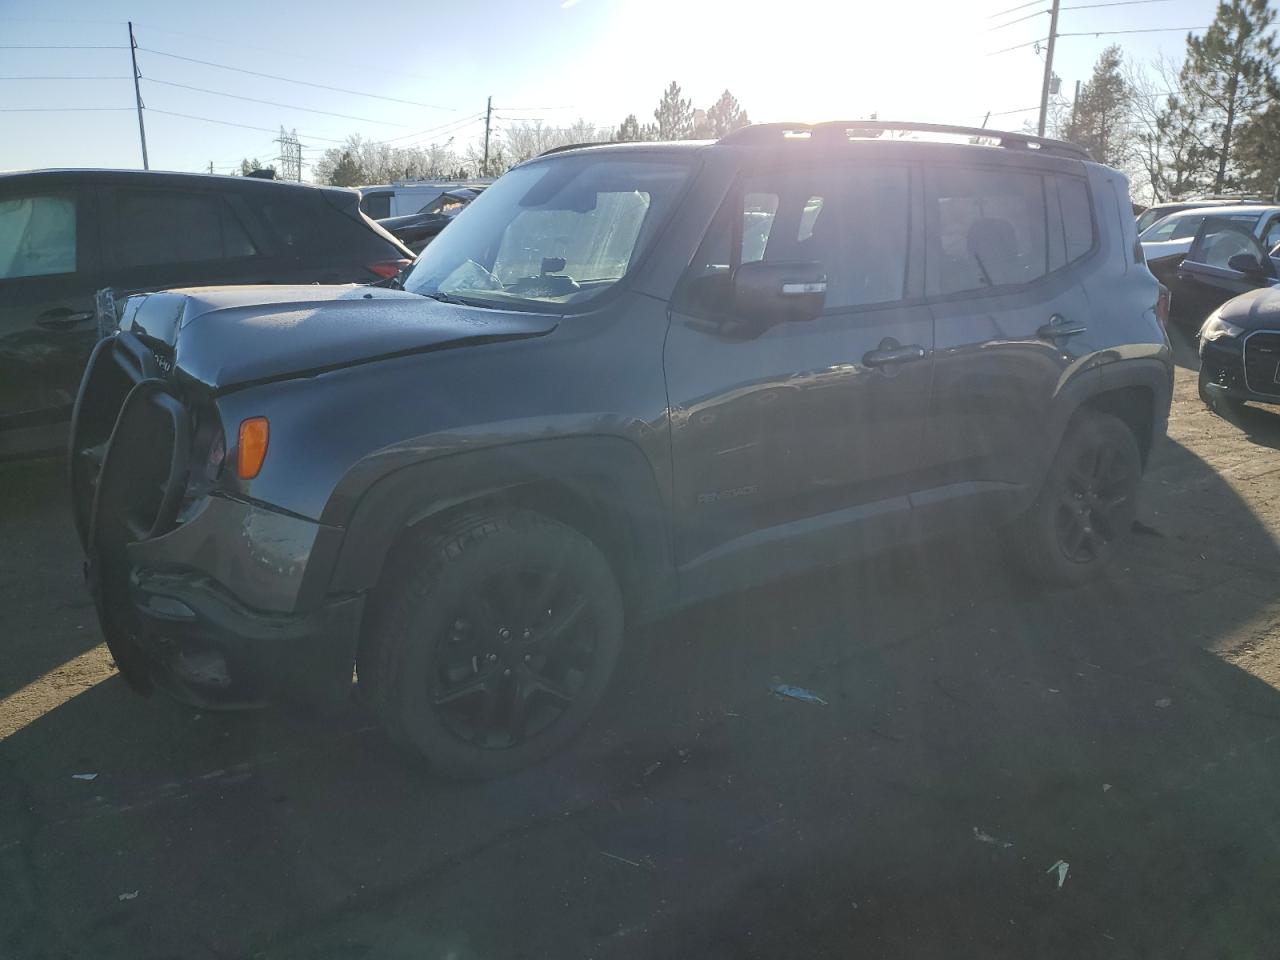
<point x="494" y="643"/>
<point x="1087" y="505"/>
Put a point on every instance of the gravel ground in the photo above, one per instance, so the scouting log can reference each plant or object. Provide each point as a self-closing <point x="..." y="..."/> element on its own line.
<point x="976" y="734"/>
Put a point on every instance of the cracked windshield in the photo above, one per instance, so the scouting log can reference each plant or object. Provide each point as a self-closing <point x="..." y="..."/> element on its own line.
<point x="601" y="479"/>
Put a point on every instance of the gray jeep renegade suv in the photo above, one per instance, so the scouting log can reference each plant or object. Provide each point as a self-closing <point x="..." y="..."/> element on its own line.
<point x="628" y="377"/>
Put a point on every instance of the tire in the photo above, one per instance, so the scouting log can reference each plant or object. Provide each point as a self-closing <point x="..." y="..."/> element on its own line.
<point x="1086" y="506"/>
<point x="1225" y="407"/>
<point x="493" y="643"/>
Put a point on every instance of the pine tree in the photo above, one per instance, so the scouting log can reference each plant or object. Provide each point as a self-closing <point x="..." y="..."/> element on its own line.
<point x="1228" y="75"/>
<point x="674" y="115"/>
<point x="725" y="116"/>
<point x="1100" y="114"/>
<point x="1258" y="152"/>
<point x="629" y="131"/>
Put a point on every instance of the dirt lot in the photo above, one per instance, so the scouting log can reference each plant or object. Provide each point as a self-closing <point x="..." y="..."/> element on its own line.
<point x="976" y="734"/>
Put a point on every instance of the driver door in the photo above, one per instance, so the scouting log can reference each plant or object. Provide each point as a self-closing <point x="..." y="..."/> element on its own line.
<point x="796" y="442"/>
<point x="1225" y="260"/>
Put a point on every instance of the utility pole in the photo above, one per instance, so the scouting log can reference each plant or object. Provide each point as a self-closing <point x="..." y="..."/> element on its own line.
<point x="1048" y="66"/>
<point x="488" y="114"/>
<point x="137" y="96"/>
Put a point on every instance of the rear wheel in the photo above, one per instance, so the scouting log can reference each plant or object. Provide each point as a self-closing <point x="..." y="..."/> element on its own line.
<point x="1087" y="505"/>
<point x="495" y="643"/>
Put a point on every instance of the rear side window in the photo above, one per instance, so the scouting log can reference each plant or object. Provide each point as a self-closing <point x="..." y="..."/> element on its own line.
<point x="164" y="226"/>
<point x="376" y="205"/>
<point x="853" y="220"/>
<point x="984" y="229"/>
<point x="37" y="236"/>
<point x="1077" y="217"/>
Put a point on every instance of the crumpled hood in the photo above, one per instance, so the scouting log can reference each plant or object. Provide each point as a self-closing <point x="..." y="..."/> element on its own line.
<point x="1254" y="310"/>
<point x="232" y="336"/>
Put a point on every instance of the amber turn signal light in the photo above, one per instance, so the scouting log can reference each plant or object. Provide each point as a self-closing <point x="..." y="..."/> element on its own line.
<point x="252" y="449"/>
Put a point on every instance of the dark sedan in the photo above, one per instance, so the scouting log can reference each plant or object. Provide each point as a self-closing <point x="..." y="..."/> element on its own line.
<point x="416" y="230"/>
<point x="1229" y="273"/>
<point x="65" y="234"/>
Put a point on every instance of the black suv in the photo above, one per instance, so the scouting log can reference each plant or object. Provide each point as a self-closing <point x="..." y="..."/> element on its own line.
<point x="64" y="234"/>
<point x="626" y="378"/>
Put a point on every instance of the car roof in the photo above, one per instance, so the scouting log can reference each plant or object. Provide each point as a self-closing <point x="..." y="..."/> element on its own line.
<point x="169" y="178"/>
<point x="1220" y="210"/>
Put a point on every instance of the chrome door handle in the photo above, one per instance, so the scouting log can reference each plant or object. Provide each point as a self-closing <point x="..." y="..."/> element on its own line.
<point x="885" y="356"/>
<point x="1059" y="326"/>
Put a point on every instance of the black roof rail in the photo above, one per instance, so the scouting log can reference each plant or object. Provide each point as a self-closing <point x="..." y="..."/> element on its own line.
<point x="576" y="146"/>
<point x="833" y="131"/>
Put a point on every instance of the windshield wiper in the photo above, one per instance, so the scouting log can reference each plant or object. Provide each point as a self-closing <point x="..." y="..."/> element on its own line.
<point x="450" y="298"/>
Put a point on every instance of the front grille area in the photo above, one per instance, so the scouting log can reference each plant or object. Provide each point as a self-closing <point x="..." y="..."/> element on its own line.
<point x="129" y="446"/>
<point x="1262" y="361"/>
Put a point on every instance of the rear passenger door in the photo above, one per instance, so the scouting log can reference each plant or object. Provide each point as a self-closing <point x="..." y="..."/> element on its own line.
<point x="1211" y="272"/>
<point x="795" y="444"/>
<point x="49" y="269"/>
<point x="1010" y="319"/>
<point x="159" y="238"/>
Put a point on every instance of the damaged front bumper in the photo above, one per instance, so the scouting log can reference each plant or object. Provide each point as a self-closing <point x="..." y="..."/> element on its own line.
<point x="216" y="599"/>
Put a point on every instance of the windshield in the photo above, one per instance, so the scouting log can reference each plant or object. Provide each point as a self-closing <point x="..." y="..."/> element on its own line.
<point x="558" y="232"/>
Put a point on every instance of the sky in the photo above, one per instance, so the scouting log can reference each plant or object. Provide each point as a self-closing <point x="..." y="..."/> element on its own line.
<point x="418" y="73"/>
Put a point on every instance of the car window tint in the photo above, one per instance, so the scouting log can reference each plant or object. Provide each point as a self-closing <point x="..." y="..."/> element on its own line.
<point x="985" y="228"/>
<point x="1223" y="240"/>
<point x="1271" y="236"/>
<point x="163" y="226"/>
<point x="1077" y="218"/>
<point x="376" y="205"/>
<point x="235" y="238"/>
<point x="758" y="211"/>
<point x="37" y="236"/>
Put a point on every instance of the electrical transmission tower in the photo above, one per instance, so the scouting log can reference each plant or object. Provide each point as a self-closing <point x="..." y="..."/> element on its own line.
<point x="290" y="159"/>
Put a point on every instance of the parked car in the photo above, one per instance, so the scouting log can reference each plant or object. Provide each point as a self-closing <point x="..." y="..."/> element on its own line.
<point x="406" y="197"/>
<point x="1165" y="243"/>
<point x="64" y="234"/>
<point x="1237" y="283"/>
<point x="416" y="230"/>
<point x="596" y="400"/>
<point x="1158" y="211"/>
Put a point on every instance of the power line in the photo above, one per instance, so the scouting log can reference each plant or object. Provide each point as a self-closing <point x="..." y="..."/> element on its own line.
<point x="59" y="109"/>
<point x="65" y="46"/>
<point x="457" y="124"/>
<point x="1105" y="33"/>
<point x="1112" y="3"/>
<point x="1021" y="6"/>
<point x="66" y="78"/>
<point x="1019" y="46"/>
<point x="1029" y="16"/>
<point x="272" y="103"/>
<point x="304" y="83"/>
<point x="226" y="123"/>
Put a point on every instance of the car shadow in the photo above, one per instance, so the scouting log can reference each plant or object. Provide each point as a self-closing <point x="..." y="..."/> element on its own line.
<point x="975" y="731"/>
<point x="47" y="613"/>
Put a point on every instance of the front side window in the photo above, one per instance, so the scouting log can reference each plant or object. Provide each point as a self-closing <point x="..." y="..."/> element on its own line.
<point x="37" y="236"/>
<point x="552" y="233"/>
<point x="852" y="220"/>
<point x="166" y="226"/>
<point x="1222" y="239"/>
<point x="984" y="229"/>
<point x="1271" y="236"/>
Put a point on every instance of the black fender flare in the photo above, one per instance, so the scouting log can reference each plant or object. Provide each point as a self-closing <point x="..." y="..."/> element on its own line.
<point x="1107" y="375"/>
<point x="609" y="475"/>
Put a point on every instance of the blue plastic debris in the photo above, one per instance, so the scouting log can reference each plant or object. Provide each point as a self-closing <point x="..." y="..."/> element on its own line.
<point x="797" y="693"/>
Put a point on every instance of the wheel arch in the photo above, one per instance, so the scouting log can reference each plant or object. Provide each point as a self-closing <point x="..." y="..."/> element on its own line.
<point x="603" y="487"/>
<point x="1137" y="391"/>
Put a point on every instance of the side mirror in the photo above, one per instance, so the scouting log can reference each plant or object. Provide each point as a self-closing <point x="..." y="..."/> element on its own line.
<point x="769" y="291"/>
<point x="1247" y="264"/>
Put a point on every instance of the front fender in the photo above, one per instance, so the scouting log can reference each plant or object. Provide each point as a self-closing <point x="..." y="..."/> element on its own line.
<point x="606" y="476"/>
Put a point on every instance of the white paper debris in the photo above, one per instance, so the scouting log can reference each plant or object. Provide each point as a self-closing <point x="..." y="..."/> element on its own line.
<point x="128" y="896"/>
<point x="1062" y="867"/>
<point x="84" y="776"/>
<point x="984" y="837"/>
<point x="1164" y="702"/>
